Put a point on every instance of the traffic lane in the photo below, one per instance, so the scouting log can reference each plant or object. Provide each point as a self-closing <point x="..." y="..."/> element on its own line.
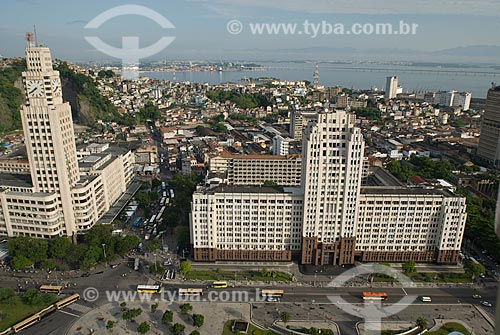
<point x="55" y="323"/>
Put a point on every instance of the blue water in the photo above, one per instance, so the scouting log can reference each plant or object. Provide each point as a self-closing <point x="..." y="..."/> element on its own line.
<point x="359" y="76"/>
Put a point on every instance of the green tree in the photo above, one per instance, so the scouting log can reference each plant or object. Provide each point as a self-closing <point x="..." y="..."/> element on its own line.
<point x="143" y="328"/>
<point x="185" y="308"/>
<point x="285" y="317"/>
<point x="167" y="317"/>
<point x="185" y="267"/>
<point x="474" y="269"/>
<point x="48" y="264"/>
<point x="154" y="307"/>
<point x="131" y="314"/>
<point x="409" y="267"/>
<point x="6" y="293"/>
<point x="143" y="198"/>
<point x="194" y="332"/>
<point x="269" y="183"/>
<point x="155" y="183"/>
<point x="421" y="323"/>
<point x="110" y="324"/>
<point x="177" y="328"/>
<point x="152" y="245"/>
<point x="198" y="320"/>
<point x="21" y="262"/>
<point x="59" y="247"/>
<point x="126" y="244"/>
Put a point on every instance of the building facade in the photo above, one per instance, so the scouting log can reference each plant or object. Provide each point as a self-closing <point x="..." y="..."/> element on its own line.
<point x="489" y="148"/>
<point x="329" y="218"/>
<point x="391" y="87"/>
<point x="57" y="197"/>
<point x="257" y="169"/>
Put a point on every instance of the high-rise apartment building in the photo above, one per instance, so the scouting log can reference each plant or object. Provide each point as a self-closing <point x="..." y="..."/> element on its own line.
<point x="489" y="146"/>
<point x="281" y="145"/>
<point x="330" y="218"/>
<point x="391" y="87"/>
<point x="59" y="196"/>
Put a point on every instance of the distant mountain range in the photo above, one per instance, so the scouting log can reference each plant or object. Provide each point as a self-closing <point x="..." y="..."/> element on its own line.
<point x="469" y="54"/>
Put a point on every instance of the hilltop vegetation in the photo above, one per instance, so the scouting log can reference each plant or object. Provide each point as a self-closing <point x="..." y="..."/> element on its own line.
<point x="252" y="100"/>
<point x="11" y="97"/>
<point x="87" y="103"/>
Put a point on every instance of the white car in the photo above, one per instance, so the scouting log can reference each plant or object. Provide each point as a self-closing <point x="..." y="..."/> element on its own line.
<point x="272" y="299"/>
<point x="485" y="303"/>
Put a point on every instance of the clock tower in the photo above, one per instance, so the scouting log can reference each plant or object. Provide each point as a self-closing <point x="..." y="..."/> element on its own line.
<point x="48" y="133"/>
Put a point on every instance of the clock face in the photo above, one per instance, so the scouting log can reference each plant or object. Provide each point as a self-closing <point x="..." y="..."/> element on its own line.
<point x="35" y="88"/>
<point x="56" y="87"/>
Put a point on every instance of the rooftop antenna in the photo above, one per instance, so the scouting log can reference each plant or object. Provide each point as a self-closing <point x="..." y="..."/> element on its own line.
<point x="36" y="37"/>
<point x="29" y="39"/>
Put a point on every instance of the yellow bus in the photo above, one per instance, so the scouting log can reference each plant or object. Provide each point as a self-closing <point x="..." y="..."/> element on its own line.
<point x="219" y="284"/>
<point x="149" y="288"/>
<point x="51" y="289"/>
<point x="190" y="291"/>
<point x="69" y="300"/>
<point x="272" y="293"/>
<point x="26" y="323"/>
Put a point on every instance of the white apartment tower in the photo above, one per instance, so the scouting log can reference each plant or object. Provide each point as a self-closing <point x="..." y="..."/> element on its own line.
<point x="391" y="87"/>
<point x="281" y="145"/>
<point x="332" y="165"/>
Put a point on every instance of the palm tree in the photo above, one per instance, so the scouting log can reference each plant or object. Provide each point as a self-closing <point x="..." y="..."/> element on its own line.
<point x="421" y="323"/>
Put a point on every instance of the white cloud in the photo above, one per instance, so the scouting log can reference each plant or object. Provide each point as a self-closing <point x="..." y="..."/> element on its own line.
<point x="442" y="7"/>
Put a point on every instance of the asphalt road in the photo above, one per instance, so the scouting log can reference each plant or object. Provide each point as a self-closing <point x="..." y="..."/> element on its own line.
<point x="113" y="279"/>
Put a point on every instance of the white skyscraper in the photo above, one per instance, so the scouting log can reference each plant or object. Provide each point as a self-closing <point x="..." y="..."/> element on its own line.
<point x="331" y="178"/>
<point x="48" y="131"/>
<point x="54" y="194"/>
<point x="391" y="87"/>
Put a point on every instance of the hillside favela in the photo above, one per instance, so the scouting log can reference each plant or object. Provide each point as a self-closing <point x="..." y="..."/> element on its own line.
<point x="249" y="167"/>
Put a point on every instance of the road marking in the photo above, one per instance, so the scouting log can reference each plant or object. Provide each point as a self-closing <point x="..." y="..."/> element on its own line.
<point x="76" y="316"/>
<point x="404" y="290"/>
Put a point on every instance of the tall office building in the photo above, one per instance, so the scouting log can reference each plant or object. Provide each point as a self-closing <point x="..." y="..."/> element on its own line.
<point x="329" y="218"/>
<point x="48" y="132"/>
<point x="332" y="164"/>
<point x="489" y="140"/>
<point x="391" y="87"/>
<point x="54" y="194"/>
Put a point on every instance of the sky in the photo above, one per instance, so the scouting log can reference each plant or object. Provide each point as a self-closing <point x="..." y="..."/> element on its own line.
<point x="201" y="28"/>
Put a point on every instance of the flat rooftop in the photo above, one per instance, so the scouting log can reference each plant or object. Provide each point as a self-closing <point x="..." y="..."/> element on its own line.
<point x="15" y="180"/>
<point x="385" y="190"/>
<point x="222" y="188"/>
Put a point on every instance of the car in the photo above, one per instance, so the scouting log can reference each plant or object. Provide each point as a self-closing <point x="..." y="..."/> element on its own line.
<point x="485" y="303"/>
<point x="476" y="296"/>
<point x="271" y="299"/>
